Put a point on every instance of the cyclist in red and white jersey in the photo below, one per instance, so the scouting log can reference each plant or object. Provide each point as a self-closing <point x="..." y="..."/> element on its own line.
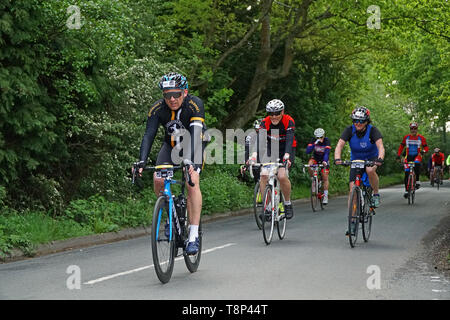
<point x="415" y="146"/>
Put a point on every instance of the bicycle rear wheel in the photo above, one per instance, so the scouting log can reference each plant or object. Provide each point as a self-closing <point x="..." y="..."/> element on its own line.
<point x="281" y="219"/>
<point x="257" y="203"/>
<point x="163" y="247"/>
<point x="353" y="216"/>
<point x="268" y="210"/>
<point x="314" y="198"/>
<point x="192" y="261"/>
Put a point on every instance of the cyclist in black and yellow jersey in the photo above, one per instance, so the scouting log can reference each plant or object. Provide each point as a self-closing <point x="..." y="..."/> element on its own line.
<point x="183" y="117"/>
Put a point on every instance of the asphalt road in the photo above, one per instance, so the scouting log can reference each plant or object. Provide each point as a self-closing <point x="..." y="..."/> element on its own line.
<point x="314" y="261"/>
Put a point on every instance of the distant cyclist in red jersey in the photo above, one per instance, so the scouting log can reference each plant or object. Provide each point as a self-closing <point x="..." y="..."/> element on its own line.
<point x="437" y="159"/>
<point x="415" y="145"/>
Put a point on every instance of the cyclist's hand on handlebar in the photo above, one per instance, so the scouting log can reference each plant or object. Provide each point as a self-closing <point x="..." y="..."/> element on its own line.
<point x="325" y="164"/>
<point x="379" y="162"/>
<point x="138" y="165"/>
<point x="286" y="159"/>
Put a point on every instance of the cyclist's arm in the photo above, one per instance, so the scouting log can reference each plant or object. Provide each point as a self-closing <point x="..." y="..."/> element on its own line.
<point x="401" y="147"/>
<point x="290" y="133"/>
<point x="149" y="137"/>
<point x="326" y="155"/>
<point x="196" y="126"/>
<point x="380" y="146"/>
<point x="338" y="150"/>
<point x="424" y="144"/>
<point x="310" y="146"/>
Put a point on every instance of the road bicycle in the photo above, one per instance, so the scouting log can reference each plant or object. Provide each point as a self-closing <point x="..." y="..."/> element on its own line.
<point x="361" y="210"/>
<point x="272" y="209"/>
<point x="316" y="186"/>
<point x="437" y="176"/>
<point x="411" y="184"/>
<point x="170" y="223"/>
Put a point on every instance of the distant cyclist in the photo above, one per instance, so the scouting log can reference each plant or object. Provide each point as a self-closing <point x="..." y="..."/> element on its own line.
<point x="250" y="140"/>
<point x="437" y="159"/>
<point x="280" y="129"/>
<point x="178" y="112"/>
<point x="320" y="148"/>
<point x="366" y="143"/>
<point x="415" y="146"/>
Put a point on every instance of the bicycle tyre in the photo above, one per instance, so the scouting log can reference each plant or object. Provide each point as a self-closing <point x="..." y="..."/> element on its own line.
<point x="163" y="248"/>
<point x="411" y="187"/>
<point x="268" y="220"/>
<point x="314" y="198"/>
<point x="366" y="220"/>
<point x="320" y="193"/>
<point x="438" y="180"/>
<point x="353" y="216"/>
<point x="193" y="261"/>
<point x="257" y="192"/>
<point x="281" y="221"/>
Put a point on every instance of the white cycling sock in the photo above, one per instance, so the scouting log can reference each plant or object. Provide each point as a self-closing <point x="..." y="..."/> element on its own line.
<point x="287" y="202"/>
<point x="193" y="232"/>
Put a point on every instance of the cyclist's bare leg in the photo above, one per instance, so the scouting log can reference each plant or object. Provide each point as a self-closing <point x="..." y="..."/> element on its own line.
<point x="194" y="200"/>
<point x="311" y="162"/>
<point x="325" y="180"/>
<point x="285" y="184"/>
<point x="351" y="184"/>
<point x="373" y="178"/>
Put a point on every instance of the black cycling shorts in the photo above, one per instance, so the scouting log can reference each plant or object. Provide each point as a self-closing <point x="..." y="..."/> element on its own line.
<point x="165" y="157"/>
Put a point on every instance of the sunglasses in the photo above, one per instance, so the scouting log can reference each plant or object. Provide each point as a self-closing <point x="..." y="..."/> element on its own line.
<point x="176" y="95"/>
<point x="413" y="128"/>
<point x="359" y="121"/>
<point x="273" y="114"/>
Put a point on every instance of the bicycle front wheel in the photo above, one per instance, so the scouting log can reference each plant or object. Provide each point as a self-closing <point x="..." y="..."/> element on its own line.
<point x="353" y="216"/>
<point x="268" y="219"/>
<point x="314" y="198"/>
<point x="366" y="220"/>
<point x="163" y="243"/>
<point x="281" y="219"/>
<point x="438" y="180"/>
<point x="257" y="203"/>
<point x="411" y="189"/>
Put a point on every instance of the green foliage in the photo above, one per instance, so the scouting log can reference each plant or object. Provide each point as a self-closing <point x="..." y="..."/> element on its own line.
<point x="74" y="102"/>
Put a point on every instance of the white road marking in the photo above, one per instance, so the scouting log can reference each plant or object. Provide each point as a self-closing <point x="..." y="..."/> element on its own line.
<point x="112" y="276"/>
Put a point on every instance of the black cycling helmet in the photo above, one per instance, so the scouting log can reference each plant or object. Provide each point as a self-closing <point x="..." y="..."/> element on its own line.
<point x="173" y="80"/>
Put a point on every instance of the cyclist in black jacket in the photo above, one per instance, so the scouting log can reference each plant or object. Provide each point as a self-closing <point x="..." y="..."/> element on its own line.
<point x="183" y="118"/>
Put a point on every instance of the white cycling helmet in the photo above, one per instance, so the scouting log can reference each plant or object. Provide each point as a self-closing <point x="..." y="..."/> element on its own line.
<point x="319" y="133"/>
<point x="274" y="105"/>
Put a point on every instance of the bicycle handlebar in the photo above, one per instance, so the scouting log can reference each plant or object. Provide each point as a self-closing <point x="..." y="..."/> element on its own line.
<point x="278" y="164"/>
<point x="350" y="162"/>
<point x="186" y="164"/>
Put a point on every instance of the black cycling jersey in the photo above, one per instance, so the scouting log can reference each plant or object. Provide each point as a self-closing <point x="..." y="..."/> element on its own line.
<point x="189" y="117"/>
